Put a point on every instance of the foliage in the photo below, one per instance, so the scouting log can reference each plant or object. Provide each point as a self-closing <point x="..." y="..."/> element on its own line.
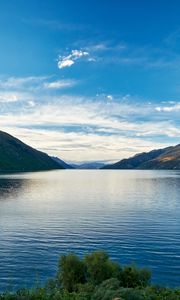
<point x="100" y="267"/>
<point x="133" y="277"/>
<point x="96" y="277"/>
<point x="71" y="272"/>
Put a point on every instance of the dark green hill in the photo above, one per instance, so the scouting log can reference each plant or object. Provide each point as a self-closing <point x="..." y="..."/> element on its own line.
<point x="17" y="156"/>
<point x="167" y="158"/>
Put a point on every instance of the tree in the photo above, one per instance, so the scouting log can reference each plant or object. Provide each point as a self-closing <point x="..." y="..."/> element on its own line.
<point x="133" y="277"/>
<point x="99" y="267"/>
<point x="71" y="272"/>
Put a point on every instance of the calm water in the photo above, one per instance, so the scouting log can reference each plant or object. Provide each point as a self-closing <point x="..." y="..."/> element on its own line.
<point x="134" y="215"/>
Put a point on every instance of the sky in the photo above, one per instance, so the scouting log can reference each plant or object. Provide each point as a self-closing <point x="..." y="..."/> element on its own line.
<point x="90" y="80"/>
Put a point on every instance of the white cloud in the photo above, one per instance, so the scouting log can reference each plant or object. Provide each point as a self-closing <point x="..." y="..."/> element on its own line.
<point x="65" y="62"/>
<point x="19" y="82"/>
<point x="25" y="88"/>
<point x="31" y="103"/>
<point x="110" y="97"/>
<point x="69" y="60"/>
<point x="106" y="46"/>
<point x="79" y="53"/>
<point x="83" y="129"/>
<point x="172" y="108"/>
<point x="60" y="84"/>
<point x="8" y="97"/>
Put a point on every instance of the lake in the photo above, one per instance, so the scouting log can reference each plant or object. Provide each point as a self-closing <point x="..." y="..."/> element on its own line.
<point x="134" y="215"/>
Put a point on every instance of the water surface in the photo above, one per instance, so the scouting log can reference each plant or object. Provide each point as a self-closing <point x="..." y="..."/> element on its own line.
<point x="134" y="215"/>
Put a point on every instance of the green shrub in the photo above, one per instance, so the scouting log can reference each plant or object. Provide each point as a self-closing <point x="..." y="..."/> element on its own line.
<point x="133" y="277"/>
<point x="100" y="267"/>
<point x="96" y="277"/>
<point x="71" y="272"/>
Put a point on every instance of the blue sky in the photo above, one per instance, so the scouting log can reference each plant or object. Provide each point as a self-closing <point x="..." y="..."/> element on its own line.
<point x="90" y="81"/>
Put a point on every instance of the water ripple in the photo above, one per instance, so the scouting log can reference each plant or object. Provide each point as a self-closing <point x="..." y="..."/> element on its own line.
<point x="134" y="215"/>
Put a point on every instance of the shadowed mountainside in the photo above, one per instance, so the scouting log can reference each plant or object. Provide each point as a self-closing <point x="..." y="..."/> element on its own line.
<point x="17" y="156"/>
<point x="62" y="163"/>
<point x="167" y="158"/>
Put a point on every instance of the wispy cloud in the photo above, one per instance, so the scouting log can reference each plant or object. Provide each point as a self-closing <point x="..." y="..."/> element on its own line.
<point x="173" y="39"/>
<point x="74" y="146"/>
<point x="128" y="54"/>
<point x="105" y="126"/>
<point x="8" y="97"/>
<point x="60" y="84"/>
<point x="11" y="86"/>
<point x="55" y="25"/>
<point x="83" y="128"/>
<point x="19" y="82"/>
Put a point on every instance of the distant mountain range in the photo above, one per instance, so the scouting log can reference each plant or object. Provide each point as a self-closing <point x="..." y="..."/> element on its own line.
<point x="62" y="163"/>
<point x="17" y="156"/>
<point x="89" y="166"/>
<point x="167" y="158"/>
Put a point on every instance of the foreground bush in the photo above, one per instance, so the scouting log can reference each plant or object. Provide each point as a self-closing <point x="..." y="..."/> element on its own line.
<point x="71" y="272"/>
<point x="96" y="277"/>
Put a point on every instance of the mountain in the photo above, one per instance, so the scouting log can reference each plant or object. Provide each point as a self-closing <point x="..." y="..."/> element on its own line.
<point x="62" y="163"/>
<point x="170" y="159"/>
<point x="89" y="166"/>
<point x="167" y="158"/>
<point x="17" y="156"/>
